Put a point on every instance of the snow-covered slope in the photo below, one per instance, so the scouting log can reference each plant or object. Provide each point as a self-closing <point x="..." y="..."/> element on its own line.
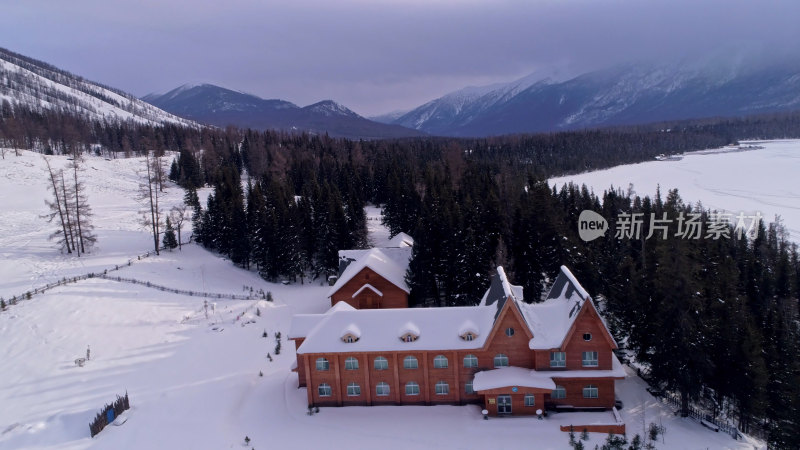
<point x="762" y="180"/>
<point x="626" y="94"/>
<point x="37" y="85"/>
<point x="196" y="382"/>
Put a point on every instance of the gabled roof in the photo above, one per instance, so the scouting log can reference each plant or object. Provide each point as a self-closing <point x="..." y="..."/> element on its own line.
<point x="552" y="320"/>
<point x="302" y="324"/>
<point x="401" y="240"/>
<point x="381" y="263"/>
<point x="400" y="255"/>
<point x="370" y="287"/>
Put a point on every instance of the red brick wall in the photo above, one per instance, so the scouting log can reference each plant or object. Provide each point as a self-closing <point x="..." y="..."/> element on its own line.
<point x="587" y="322"/>
<point x="393" y="296"/>
<point x="301" y="370"/>
<point x="574" y="388"/>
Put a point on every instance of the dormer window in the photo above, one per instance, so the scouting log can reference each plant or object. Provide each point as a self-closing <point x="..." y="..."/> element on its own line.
<point x="468" y="336"/>
<point x="349" y="338"/>
<point x="587" y="336"/>
<point x="409" y="332"/>
<point x="408" y="337"/>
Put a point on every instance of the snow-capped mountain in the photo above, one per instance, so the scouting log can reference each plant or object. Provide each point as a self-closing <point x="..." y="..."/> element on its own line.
<point x="37" y="85"/>
<point x="220" y="106"/>
<point x="626" y="94"/>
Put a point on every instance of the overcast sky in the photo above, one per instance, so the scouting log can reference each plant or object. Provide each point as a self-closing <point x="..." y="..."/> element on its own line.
<point x="376" y="56"/>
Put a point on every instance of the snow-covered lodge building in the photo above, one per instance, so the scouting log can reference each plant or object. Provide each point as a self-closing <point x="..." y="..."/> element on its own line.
<point x="374" y="278"/>
<point x="509" y="356"/>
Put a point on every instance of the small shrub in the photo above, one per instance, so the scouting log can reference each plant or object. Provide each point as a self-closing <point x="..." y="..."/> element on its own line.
<point x="585" y="435"/>
<point x="258" y="312"/>
<point x="265" y="334"/>
<point x="2" y="304"/>
<point x="269" y="296"/>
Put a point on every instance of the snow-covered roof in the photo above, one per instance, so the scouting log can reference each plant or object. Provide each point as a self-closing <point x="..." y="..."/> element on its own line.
<point x="381" y="329"/>
<point x="370" y="287"/>
<point x="380" y="261"/>
<point x="302" y="324"/>
<point x="551" y="320"/>
<point x="401" y="240"/>
<point x="441" y="328"/>
<point x="512" y="376"/>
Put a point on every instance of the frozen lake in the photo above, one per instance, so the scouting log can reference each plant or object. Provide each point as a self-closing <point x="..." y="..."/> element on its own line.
<point x="763" y="180"/>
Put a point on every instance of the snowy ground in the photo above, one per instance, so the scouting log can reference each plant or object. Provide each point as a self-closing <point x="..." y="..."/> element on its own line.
<point x="194" y="382"/>
<point x="763" y="180"/>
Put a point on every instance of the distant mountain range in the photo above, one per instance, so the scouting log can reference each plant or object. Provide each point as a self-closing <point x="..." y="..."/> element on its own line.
<point x="40" y="86"/>
<point x="622" y="95"/>
<point x="215" y="105"/>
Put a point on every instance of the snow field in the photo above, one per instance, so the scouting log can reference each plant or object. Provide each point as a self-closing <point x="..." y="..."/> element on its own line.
<point x="194" y="382"/>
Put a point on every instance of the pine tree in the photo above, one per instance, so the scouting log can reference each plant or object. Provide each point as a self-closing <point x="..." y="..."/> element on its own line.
<point x="169" y="241"/>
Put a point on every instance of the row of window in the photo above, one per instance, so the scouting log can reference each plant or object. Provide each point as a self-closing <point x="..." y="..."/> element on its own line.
<point x="559" y="359"/>
<point x="410" y="362"/>
<point x="382" y="389"/>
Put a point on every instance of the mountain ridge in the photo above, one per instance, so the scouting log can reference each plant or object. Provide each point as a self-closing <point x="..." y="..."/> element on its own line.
<point x="38" y="85"/>
<point x="220" y="106"/>
<point x="626" y="94"/>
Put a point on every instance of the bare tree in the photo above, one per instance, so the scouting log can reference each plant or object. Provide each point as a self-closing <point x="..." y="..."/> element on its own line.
<point x="83" y="212"/>
<point x="65" y="198"/>
<point x="55" y="208"/>
<point x="148" y="196"/>
<point x="178" y="215"/>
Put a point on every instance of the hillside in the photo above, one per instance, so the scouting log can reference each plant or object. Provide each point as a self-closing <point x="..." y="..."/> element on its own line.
<point x="621" y="95"/>
<point x="194" y="382"/>
<point x="40" y="86"/>
<point x="221" y="107"/>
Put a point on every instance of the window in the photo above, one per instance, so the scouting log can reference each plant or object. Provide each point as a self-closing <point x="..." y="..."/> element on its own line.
<point x="470" y="361"/>
<point x="468" y="389"/>
<point x="440" y="362"/>
<point x="351" y="363"/>
<point x="349" y="338"/>
<point x="382" y="389"/>
<point x="381" y="363"/>
<point x="587" y="336"/>
<point x="408" y="337"/>
<point x="442" y="388"/>
<point x="353" y="390"/>
<point x="530" y="400"/>
<point x="501" y="360"/>
<point x="323" y="364"/>
<point x="468" y="336"/>
<point x="410" y="362"/>
<point x="509" y="331"/>
<point x="590" y="391"/>
<point x="412" y="388"/>
<point x="559" y="392"/>
<point x="589" y="359"/>
<point x="558" y="359"/>
<point x="324" y="390"/>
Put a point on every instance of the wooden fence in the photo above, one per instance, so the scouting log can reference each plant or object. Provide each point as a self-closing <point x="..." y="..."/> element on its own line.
<point x="104" y="275"/>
